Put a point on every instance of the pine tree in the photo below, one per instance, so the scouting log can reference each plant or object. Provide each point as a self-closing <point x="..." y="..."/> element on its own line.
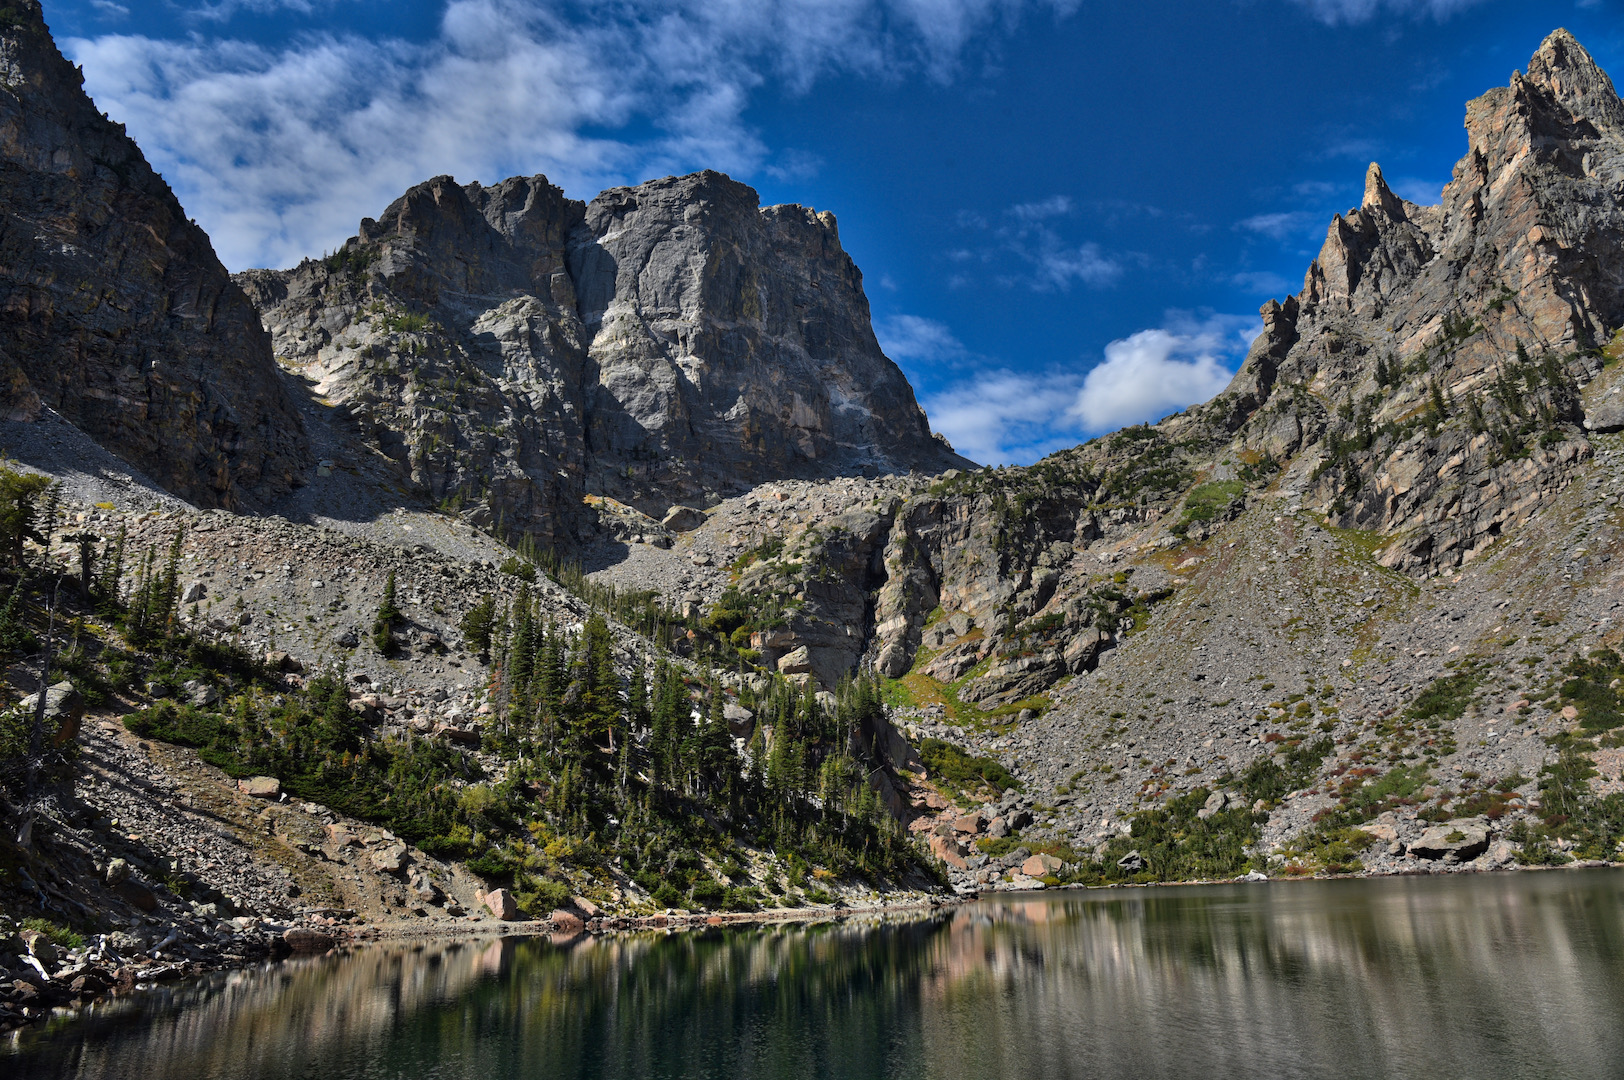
<point x="112" y="575"/>
<point x="383" y="625"/>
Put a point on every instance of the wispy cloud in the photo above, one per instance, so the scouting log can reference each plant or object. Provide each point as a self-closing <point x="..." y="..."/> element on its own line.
<point x="913" y="338"/>
<point x="1044" y="259"/>
<point x="1351" y="12"/>
<point x="999" y="416"/>
<point x="1059" y="266"/>
<point x="1283" y="224"/>
<point x="1262" y="282"/>
<point x="1006" y="417"/>
<point x="1053" y="206"/>
<point x="1420" y="192"/>
<point x="278" y="152"/>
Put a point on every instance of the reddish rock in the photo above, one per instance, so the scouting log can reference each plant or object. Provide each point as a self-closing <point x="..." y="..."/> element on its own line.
<point x="500" y="902"/>
<point x="969" y="823"/>
<point x="1041" y="866"/>
<point x="567" y="922"/>
<point x="948" y="851"/>
<point x="584" y="906"/>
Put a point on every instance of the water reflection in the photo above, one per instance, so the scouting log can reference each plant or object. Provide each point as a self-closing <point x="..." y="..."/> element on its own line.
<point x="1515" y="975"/>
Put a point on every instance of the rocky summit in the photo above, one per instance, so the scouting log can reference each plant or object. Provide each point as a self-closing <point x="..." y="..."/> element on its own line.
<point x="515" y="351"/>
<point x="588" y="564"/>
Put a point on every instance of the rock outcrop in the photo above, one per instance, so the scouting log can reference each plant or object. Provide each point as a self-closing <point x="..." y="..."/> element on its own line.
<point x="670" y="343"/>
<point x="116" y="312"/>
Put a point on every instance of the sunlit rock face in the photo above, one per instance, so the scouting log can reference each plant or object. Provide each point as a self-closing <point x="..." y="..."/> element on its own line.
<point x="672" y="342"/>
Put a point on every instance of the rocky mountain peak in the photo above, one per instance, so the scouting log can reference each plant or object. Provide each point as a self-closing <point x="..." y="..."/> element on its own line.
<point x="1566" y="71"/>
<point x="523" y="355"/>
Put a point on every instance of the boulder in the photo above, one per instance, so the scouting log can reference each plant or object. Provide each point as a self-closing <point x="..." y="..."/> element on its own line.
<point x="1131" y="863"/>
<point x="1453" y="841"/>
<point x="969" y="823"/>
<point x="998" y="828"/>
<point x="1084" y="649"/>
<point x="302" y="939"/>
<point x="567" y="922"/>
<point x="116" y="871"/>
<point x="1606" y="416"/>
<point x="194" y="592"/>
<point x="280" y="661"/>
<point x="136" y="894"/>
<point x="1040" y="866"/>
<point x="390" y="858"/>
<point x="40" y="947"/>
<point x="586" y="907"/>
<point x="740" y="721"/>
<point x="796" y="662"/>
<point x="683" y="519"/>
<point x="199" y="693"/>
<point x="500" y="903"/>
<point x="1215" y="804"/>
<point x="949" y="851"/>
<point x="260" y="787"/>
<point x="63" y="705"/>
<point x="463" y="736"/>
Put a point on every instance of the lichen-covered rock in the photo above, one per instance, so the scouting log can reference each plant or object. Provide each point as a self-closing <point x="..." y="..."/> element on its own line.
<point x="118" y="314"/>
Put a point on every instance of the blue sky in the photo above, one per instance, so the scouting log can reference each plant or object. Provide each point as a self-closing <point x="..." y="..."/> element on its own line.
<point x="1067" y="212"/>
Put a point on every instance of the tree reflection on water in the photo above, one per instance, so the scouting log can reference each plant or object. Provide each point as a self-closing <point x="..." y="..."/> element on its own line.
<point x="1466" y="976"/>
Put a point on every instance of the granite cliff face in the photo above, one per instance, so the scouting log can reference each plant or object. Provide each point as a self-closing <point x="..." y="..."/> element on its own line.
<point x="674" y="342"/>
<point x="116" y="312"/>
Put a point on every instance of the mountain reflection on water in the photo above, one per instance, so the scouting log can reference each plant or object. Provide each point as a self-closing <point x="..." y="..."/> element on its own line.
<point x="1469" y="976"/>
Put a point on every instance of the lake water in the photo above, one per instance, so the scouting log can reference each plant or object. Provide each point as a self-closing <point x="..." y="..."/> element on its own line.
<point x="1511" y="975"/>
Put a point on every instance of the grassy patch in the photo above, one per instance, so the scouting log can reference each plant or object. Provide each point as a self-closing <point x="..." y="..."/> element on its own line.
<point x="956" y="770"/>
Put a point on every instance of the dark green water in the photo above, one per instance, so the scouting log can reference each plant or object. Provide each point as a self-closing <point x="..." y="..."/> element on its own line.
<point x="1514" y="975"/>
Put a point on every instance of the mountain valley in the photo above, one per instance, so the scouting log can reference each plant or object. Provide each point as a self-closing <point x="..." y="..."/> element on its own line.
<point x="590" y="565"/>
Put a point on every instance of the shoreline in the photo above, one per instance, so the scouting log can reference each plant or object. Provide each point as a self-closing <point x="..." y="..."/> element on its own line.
<point x="86" y="982"/>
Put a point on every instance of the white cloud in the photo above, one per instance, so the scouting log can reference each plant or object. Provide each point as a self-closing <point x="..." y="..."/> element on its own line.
<point x="1155" y="372"/>
<point x="912" y="338"/>
<point x="279" y="152"/>
<point x="1349" y="12"/>
<point x="999" y="416"/>
<point x="110" y="9"/>
<point x="1053" y="206"/>
<point x="1284" y="224"/>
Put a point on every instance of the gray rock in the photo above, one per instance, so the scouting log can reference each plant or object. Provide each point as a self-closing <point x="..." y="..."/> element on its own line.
<point x="1131" y="863"/>
<point x="1455" y="841"/>
<point x="683" y="519"/>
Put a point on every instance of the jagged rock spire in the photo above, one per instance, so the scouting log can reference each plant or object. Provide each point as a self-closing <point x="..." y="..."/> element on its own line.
<point x="1378" y="194"/>
<point x="1565" y="69"/>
